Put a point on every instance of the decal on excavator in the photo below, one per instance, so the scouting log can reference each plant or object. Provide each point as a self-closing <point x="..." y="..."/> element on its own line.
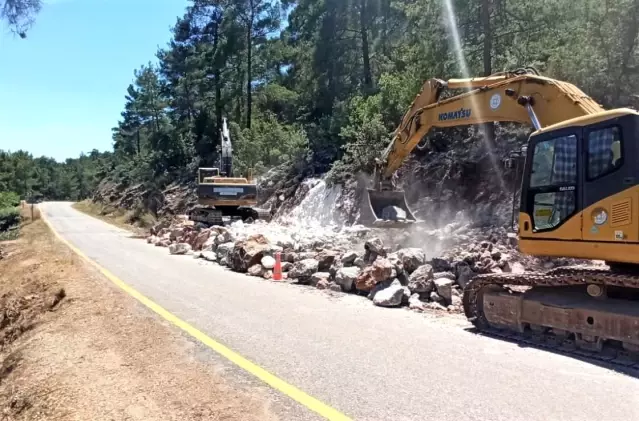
<point x="454" y="115"/>
<point x="495" y="101"/>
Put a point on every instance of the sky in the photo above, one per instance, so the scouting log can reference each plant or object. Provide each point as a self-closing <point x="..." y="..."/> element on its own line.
<point x="62" y="88"/>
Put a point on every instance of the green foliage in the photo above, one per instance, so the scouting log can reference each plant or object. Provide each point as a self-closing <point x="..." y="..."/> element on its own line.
<point x="322" y="85"/>
<point x="44" y="178"/>
<point x="9" y="217"/>
<point x="9" y="199"/>
<point x="9" y="212"/>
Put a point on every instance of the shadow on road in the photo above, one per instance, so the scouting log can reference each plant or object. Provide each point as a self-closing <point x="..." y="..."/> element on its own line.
<point x="631" y="369"/>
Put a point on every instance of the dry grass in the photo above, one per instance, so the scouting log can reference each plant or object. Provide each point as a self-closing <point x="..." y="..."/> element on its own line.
<point x="73" y="347"/>
<point x="29" y="212"/>
<point x="138" y="222"/>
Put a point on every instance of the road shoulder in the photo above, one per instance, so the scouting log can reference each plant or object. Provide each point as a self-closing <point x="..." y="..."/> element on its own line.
<point x="75" y="347"/>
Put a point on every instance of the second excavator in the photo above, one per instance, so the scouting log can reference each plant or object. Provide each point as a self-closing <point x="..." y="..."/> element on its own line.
<point x="222" y="197"/>
<point x="579" y="199"/>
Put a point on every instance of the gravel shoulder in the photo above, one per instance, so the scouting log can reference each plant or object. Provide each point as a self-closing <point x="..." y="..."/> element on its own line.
<point x="76" y="348"/>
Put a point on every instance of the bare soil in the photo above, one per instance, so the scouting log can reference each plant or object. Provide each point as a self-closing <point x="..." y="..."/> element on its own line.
<point x="74" y="347"/>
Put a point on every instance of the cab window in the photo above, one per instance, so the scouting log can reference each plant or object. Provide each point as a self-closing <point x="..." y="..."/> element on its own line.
<point x="554" y="167"/>
<point x="604" y="152"/>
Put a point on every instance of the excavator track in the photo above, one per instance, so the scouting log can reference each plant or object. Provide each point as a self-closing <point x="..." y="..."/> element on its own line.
<point x="559" y="314"/>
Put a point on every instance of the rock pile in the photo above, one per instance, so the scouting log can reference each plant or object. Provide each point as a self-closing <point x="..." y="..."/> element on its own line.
<point x="357" y="261"/>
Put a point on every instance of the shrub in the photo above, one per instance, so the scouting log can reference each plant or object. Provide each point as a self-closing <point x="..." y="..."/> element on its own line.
<point x="9" y="217"/>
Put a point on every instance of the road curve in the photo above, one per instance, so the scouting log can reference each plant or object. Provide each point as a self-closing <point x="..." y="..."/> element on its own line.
<point x="367" y="362"/>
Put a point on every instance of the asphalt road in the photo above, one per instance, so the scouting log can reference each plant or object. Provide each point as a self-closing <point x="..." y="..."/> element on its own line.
<point x="368" y="362"/>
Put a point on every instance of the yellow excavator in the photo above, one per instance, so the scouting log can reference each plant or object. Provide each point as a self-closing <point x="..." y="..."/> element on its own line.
<point x="220" y="196"/>
<point x="579" y="199"/>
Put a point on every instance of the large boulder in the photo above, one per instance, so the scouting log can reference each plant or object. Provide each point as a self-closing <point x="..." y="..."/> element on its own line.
<point x="421" y="280"/>
<point x="345" y="277"/>
<point x="303" y="270"/>
<point x="411" y="258"/>
<point x="325" y="259"/>
<point x="201" y="238"/>
<point x="381" y="270"/>
<point x="179" y="248"/>
<point x="256" y="270"/>
<point x="414" y="303"/>
<point x="320" y="278"/>
<point x="463" y="273"/>
<point x="248" y="253"/>
<point x="440" y="265"/>
<point x="210" y="244"/>
<point x="444" y="287"/>
<point x="176" y="233"/>
<point x="224" y="250"/>
<point x="375" y="245"/>
<point x="209" y="256"/>
<point x="390" y="296"/>
<point x="349" y="258"/>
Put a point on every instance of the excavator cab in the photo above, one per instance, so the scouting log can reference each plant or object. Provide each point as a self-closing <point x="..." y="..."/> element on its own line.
<point x="579" y="186"/>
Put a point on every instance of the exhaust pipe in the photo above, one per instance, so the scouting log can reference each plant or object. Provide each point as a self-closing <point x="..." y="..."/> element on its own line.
<point x="385" y="209"/>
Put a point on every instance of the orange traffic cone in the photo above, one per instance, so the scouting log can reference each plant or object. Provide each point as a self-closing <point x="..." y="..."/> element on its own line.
<point x="277" y="269"/>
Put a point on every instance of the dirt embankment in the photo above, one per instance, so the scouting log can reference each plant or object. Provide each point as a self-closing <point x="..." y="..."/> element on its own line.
<point x="74" y="347"/>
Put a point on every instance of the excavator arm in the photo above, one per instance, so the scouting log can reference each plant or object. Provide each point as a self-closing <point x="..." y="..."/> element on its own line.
<point x="524" y="98"/>
<point x="521" y="96"/>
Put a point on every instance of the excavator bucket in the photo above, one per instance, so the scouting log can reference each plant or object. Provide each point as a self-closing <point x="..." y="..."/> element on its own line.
<point x="385" y="209"/>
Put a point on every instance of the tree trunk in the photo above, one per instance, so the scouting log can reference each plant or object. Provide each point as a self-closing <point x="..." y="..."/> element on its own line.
<point x="216" y="75"/>
<point x="385" y="20"/>
<point x="249" y="59"/>
<point x="239" y="104"/>
<point x="629" y="45"/>
<point x="363" y="27"/>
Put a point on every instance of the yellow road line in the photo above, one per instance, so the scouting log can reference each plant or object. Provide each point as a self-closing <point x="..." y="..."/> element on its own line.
<point x="275" y="382"/>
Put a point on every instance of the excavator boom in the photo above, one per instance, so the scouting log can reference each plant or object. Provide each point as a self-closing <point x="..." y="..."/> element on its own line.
<point x="521" y="97"/>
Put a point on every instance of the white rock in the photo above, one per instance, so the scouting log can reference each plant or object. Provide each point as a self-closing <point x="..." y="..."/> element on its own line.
<point x="209" y="256"/>
<point x="349" y="257"/>
<point x="390" y="296"/>
<point x="444" y="287"/>
<point x="179" y="248"/>
<point x="346" y="276"/>
<point x="268" y="262"/>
